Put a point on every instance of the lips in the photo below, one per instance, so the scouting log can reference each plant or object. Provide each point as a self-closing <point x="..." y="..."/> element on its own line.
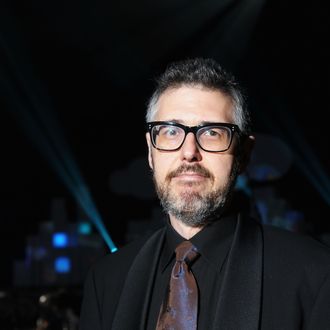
<point x="189" y="177"/>
<point x="190" y="171"/>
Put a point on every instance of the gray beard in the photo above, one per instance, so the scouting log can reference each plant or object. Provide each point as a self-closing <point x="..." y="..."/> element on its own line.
<point x="195" y="210"/>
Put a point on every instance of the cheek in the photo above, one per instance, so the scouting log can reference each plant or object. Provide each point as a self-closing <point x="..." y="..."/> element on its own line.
<point x="221" y="169"/>
<point x="161" y="166"/>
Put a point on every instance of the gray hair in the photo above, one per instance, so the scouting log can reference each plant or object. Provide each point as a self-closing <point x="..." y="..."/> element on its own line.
<point x="208" y="74"/>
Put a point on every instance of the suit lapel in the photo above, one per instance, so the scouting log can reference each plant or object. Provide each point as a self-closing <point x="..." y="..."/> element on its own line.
<point x="133" y="305"/>
<point x="240" y="297"/>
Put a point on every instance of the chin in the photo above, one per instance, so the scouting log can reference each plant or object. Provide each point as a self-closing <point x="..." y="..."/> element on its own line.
<point x="191" y="188"/>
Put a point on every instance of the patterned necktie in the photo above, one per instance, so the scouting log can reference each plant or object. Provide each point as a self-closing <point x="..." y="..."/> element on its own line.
<point x="179" y="310"/>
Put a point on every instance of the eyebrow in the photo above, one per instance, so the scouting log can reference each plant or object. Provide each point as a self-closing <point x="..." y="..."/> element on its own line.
<point x="179" y="121"/>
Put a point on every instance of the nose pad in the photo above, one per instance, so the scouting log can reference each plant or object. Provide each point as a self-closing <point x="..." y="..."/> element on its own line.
<point x="190" y="149"/>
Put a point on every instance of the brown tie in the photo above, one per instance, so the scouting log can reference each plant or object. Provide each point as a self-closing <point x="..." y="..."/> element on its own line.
<point x="179" y="310"/>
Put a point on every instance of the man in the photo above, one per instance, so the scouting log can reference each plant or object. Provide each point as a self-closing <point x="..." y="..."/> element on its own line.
<point x="248" y="276"/>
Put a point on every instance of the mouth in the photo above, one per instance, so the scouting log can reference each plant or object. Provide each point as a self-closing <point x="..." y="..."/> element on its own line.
<point x="190" y="177"/>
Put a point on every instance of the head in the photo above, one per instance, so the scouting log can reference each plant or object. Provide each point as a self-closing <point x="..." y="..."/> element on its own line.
<point x="194" y="181"/>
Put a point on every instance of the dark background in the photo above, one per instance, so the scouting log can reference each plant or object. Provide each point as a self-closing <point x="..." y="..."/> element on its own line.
<point x="89" y="65"/>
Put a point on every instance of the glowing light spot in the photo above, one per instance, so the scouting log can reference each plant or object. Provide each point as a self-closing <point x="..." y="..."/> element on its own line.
<point x="60" y="240"/>
<point x="84" y="228"/>
<point x="62" y="265"/>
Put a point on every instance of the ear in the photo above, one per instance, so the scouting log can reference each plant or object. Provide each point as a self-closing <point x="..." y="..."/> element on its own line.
<point x="149" y="151"/>
<point x="245" y="151"/>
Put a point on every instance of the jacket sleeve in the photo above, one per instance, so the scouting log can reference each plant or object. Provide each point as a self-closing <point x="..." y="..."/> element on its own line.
<point x="90" y="316"/>
<point x="320" y="315"/>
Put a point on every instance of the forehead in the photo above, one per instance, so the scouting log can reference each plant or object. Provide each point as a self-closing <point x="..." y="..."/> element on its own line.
<point x="194" y="104"/>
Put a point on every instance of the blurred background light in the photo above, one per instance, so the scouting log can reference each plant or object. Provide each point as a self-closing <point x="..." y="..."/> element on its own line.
<point x="84" y="228"/>
<point x="62" y="265"/>
<point x="60" y="240"/>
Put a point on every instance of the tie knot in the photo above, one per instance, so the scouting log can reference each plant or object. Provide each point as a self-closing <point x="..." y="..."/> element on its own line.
<point x="186" y="251"/>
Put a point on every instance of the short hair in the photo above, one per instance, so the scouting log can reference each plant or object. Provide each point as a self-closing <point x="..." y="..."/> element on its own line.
<point x="207" y="73"/>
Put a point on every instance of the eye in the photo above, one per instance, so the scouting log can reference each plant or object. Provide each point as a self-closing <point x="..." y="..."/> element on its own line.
<point x="214" y="132"/>
<point x="211" y="132"/>
<point x="169" y="131"/>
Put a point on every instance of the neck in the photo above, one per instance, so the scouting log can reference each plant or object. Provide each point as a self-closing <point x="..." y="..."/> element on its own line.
<point x="184" y="230"/>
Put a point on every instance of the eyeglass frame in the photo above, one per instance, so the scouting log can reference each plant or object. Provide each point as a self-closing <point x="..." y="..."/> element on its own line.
<point x="193" y="129"/>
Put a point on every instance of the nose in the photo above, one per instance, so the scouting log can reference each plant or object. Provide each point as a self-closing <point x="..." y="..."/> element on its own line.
<point x="190" y="151"/>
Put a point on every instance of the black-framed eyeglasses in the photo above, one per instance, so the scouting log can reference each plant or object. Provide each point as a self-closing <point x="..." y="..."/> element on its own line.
<point x="211" y="137"/>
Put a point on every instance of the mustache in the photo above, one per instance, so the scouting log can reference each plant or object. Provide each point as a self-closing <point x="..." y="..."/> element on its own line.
<point x="192" y="168"/>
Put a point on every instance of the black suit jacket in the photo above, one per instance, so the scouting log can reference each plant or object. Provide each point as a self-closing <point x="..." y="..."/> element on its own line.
<point x="273" y="279"/>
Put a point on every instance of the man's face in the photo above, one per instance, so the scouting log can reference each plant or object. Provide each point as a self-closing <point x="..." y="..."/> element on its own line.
<point x="191" y="182"/>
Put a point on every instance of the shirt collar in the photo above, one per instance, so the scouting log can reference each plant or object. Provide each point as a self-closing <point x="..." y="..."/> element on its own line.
<point x="212" y="242"/>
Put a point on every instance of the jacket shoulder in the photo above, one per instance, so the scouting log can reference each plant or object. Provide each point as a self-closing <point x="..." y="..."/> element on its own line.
<point x="294" y="244"/>
<point x="118" y="263"/>
<point x="295" y="255"/>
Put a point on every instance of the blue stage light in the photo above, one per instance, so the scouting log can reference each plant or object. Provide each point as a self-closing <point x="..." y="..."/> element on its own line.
<point x="62" y="265"/>
<point x="60" y="240"/>
<point x="84" y="228"/>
